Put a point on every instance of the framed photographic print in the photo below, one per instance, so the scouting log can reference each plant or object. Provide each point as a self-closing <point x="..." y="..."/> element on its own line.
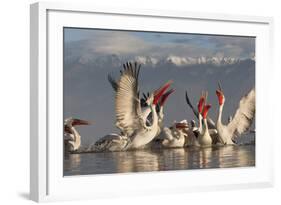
<point x="127" y="102"/>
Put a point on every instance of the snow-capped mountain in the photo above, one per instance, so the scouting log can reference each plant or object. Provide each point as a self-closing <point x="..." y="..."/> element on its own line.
<point x="146" y="60"/>
<point x="115" y="60"/>
<point x="185" y="61"/>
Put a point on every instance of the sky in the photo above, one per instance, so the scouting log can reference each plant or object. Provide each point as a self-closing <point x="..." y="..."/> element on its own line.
<point x="157" y="44"/>
<point x="91" y="54"/>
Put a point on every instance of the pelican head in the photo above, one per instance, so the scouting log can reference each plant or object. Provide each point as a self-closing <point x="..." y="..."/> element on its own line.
<point x="206" y="110"/>
<point x="165" y="96"/>
<point x="220" y="95"/>
<point x="181" y="125"/>
<point x="163" y="99"/>
<point x="71" y="122"/>
<point x="201" y="103"/>
<point x="156" y="95"/>
<point x="159" y="93"/>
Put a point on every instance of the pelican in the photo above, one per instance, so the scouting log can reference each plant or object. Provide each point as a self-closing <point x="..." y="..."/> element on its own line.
<point x="159" y="109"/>
<point x="160" y="112"/>
<point x="198" y="113"/>
<point x="128" y="111"/>
<point x="211" y="123"/>
<point x="204" y="138"/>
<point x="129" y="117"/>
<point x="174" y="136"/>
<point x="146" y="111"/>
<point x="242" y="119"/>
<point x="111" y="142"/>
<point x="114" y="84"/>
<point x="72" y="139"/>
<point x="200" y="107"/>
<point x="191" y="135"/>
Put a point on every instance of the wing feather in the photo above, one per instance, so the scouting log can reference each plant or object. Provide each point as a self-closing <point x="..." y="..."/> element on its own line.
<point x="112" y="82"/>
<point x="127" y="103"/>
<point x="244" y="115"/>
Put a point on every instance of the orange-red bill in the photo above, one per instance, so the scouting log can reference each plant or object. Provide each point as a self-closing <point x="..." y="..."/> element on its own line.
<point x="201" y="104"/>
<point x="220" y="96"/>
<point x="80" y="122"/>
<point x="180" y="125"/>
<point x="205" y="110"/>
<point x="165" y="96"/>
<point x="158" y="93"/>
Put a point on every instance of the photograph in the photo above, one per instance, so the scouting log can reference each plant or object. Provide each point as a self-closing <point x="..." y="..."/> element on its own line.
<point x="148" y="101"/>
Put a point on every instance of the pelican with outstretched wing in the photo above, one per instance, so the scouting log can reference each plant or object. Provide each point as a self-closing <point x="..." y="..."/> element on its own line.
<point x="146" y="112"/>
<point x="242" y="119"/>
<point x="130" y="119"/>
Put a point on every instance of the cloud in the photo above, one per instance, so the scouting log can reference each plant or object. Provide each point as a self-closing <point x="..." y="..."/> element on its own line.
<point x="237" y="46"/>
<point x="132" y="44"/>
<point x="107" y="42"/>
<point x="119" y="43"/>
<point x="229" y="46"/>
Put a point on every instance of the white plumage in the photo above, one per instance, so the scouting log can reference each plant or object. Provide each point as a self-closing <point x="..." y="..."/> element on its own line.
<point x="242" y="119"/>
<point x="130" y="118"/>
<point x="112" y="142"/>
<point x="174" y="136"/>
<point x="72" y="138"/>
<point x="127" y="103"/>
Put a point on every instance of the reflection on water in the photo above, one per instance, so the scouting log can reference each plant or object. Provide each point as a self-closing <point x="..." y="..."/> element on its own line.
<point x="160" y="160"/>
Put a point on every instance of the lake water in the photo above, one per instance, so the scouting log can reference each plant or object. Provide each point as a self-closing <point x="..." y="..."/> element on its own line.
<point x="160" y="160"/>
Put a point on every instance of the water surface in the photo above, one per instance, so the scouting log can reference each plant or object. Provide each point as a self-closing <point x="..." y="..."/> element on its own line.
<point x="160" y="160"/>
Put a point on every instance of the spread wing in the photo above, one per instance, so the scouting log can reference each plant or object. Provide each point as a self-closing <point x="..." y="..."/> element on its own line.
<point x="127" y="103"/>
<point x="244" y="115"/>
<point x="211" y="123"/>
<point x="112" y="82"/>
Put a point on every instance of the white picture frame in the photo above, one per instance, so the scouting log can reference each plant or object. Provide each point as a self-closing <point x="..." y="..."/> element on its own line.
<point x="46" y="177"/>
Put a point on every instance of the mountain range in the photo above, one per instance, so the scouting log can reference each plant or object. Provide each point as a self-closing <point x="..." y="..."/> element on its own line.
<point x="114" y="60"/>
